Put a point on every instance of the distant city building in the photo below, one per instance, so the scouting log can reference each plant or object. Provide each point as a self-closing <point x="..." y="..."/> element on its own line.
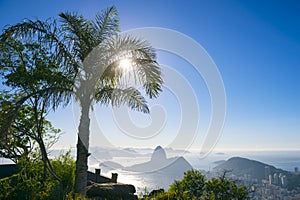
<point x="270" y="179"/>
<point x="283" y="181"/>
<point x="279" y="179"/>
<point x="296" y="170"/>
<point x="275" y="180"/>
<point x="267" y="172"/>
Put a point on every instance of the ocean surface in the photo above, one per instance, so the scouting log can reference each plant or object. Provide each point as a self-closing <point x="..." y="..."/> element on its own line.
<point x="286" y="160"/>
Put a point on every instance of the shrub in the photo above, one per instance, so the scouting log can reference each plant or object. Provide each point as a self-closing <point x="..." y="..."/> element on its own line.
<point x="30" y="182"/>
<point x="194" y="186"/>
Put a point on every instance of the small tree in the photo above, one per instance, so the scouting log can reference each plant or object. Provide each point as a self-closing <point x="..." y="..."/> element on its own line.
<point x="193" y="182"/>
<point x="21" y="138"/>
<point x="36" y="86"/>
<point x="222" y="188"/>
<point x="191" y="186"/>
<point x="194" y="186"/>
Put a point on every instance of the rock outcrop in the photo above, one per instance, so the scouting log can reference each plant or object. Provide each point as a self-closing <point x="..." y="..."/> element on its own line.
<point x="111" y="191"/>
<point x="158" y="155"/>
<point x="160" y="162"/>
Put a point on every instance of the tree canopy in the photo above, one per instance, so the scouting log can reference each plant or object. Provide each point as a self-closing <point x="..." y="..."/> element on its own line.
<point x="194" y="186"/>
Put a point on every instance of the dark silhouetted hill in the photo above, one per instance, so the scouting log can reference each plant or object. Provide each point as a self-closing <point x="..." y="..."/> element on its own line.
<point x="241" y="166"/>
<point x="160" y="162"/>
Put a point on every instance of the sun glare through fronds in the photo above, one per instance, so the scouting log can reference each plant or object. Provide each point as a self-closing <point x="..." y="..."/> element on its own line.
<point x="125" y="64"/>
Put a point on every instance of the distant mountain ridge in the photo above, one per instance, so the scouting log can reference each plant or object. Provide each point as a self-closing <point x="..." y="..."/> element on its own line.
<point x="241" y="166"/>
<point x="158" y="162"/>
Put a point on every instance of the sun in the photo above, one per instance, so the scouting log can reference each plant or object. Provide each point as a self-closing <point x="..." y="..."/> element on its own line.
<point x="125" y="63"/>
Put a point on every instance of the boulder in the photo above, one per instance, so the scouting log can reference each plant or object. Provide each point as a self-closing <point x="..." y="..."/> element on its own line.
<point x="111" y="191"/>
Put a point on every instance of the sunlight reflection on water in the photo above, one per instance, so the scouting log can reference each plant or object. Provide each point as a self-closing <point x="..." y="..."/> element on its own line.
<point x="155" y="180"/>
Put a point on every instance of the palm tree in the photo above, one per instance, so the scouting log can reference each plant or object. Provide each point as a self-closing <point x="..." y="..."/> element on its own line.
<point x="92" y="50"/>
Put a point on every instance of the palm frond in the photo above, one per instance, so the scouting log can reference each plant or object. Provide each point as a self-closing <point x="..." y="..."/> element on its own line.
<point x="32" y="72"/>
<point x="130" y="97"/>
<point x="145" y="69"/>
<point x="78" y="29"/>
<point x="47" y="34"/>
<point x="105" y="24"/>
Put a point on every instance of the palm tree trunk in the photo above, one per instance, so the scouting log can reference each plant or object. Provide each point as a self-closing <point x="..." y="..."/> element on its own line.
<point x="82" y="150"/>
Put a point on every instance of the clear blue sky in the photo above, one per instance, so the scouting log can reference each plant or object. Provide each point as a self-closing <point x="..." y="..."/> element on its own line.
<point x="255" y="44"/>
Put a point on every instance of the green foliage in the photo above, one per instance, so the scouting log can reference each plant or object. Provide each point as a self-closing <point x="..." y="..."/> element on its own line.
<point x="17" y="142"/>
<point x="30" y="69"/>
<point x="223" y="188"/>
<point x="194" y="186"/>
<point x="190" y="187"/>
<point x="21" y="136"/>
<point x="193" y="182"/>
<point x="293" y="181"/>
<point x="35" y="84"/>
<point x="29" y="183"/>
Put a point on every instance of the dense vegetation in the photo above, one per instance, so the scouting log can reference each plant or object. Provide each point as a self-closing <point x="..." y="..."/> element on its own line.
<point x="293" y="181"/>
<point x="30" y="182"/>
<point x="194" y="186"/>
